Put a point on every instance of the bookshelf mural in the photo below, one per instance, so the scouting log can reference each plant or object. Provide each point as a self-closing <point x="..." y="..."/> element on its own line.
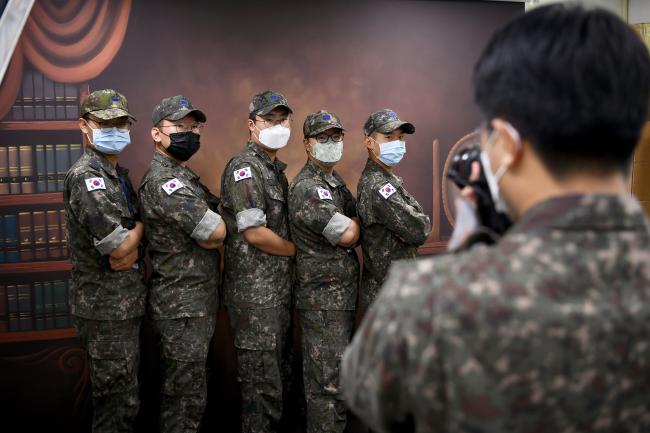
<point x="63" y="45"/>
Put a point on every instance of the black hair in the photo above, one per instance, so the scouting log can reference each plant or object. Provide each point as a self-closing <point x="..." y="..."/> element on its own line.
<point x="575" y="83"/>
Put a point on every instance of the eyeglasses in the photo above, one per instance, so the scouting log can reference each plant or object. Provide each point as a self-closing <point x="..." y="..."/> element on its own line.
<point x="269" y="122"/>
<point x="194" y="127"/>
<point x="323" y="138"/>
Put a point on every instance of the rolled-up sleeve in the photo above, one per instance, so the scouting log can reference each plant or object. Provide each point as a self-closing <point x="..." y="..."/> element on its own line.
<point x="317" y="215"/>
<point x="245" y="197"/>
<point x="336" y="226"/>
<point x="206" y="226"/>
<point x="188" y="209"/>
<point x="249" y="218"/>
<point x="98" y="212"/>
<point x="112" y="241"/>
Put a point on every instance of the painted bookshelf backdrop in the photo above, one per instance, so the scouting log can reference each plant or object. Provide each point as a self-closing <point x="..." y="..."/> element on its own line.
<point x="39" y="142"/>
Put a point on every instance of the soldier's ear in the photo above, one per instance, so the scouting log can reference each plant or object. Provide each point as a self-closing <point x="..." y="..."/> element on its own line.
<point x="155" y="134"/>
<point x="251" y="125"/>
<point x="83" y="126"/>
<point x="368" y="142"/>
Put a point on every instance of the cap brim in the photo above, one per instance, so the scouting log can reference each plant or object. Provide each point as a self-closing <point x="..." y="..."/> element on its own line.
<point x="111" y="113"/>
<point x="406" y="127"/>
<point x="273" y="107"/>
<point x="326" y="128"/>
<point x="200" y="116"/>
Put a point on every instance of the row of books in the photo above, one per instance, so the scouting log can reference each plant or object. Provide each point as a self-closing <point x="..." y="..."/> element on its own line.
<point x="37" y="235"/>
<point x="36" y="168"/>
<point x="43" y="99"/>
<point x="34" y="306"/>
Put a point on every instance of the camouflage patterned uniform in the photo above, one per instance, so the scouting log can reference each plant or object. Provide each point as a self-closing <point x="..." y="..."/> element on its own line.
<point x="257" y="286"/>
<point x="107" y="306"/>
<point x="545" y="331"/>
<point x="393" y="224"/>
<point x="178" y="211"/>
<point x="320" y="211"/>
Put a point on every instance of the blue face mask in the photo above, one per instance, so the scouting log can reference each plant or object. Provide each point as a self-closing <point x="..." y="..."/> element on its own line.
<point x="111" y="141"/>
<point x="391" y="153"/>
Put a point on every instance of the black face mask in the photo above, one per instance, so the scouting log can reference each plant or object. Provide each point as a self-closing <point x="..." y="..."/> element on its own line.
<point x="183" y="145"/>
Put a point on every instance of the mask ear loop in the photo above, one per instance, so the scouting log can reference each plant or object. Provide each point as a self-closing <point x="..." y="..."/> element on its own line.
<point x="378" y="145"/>
<point x="311" y="148"/>
<point x="517" y="139"/>
<point x="87" y="136"/>
<point x="514" y="133"/>
<point x="258" y="130"/>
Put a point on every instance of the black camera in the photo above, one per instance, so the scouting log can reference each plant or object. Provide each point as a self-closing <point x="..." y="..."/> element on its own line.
<point x="459" y="172"/>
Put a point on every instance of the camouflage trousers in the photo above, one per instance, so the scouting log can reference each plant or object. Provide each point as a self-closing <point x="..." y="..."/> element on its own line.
<point x="325" y="334"/>
<point x="113" y="348"/>
<point x="263" y="348"/>
<point x="184" y="346"/>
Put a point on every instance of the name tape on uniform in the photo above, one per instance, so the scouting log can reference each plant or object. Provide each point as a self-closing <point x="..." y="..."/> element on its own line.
<point x="242" y="173"/>
<point x="172" y="185"/>
<point x="324" y="194"/>
<point x="95" y="183"/>
<point x="387" y="190"/>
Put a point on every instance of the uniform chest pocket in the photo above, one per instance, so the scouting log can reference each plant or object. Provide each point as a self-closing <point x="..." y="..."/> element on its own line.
<point x="194" y="189"/>
<point x="275" y="192"/>
<point x="115" y="194"/>
<point x="118" y="197"/>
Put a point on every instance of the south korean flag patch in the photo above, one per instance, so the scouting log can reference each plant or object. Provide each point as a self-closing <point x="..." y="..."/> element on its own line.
<point x="172" y="185"/>
<point x="95" y="183"/>
<point x="387" y="190"/>
<point x="324" y="194"/>
<point x="242" y="173"/>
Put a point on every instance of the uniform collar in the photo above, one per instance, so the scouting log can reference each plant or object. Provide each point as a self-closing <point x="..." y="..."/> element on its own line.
<point x="255" y="149"/>
<point x="375" y="168"/>
<point x="600" y="212"/>
<point x="99" y="161"/>
<point x="332" y="179"/>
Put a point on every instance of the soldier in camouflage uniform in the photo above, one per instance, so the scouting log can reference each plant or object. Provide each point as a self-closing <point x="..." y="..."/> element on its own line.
<point x="183" y="230"/>
<point x="393" y="224"/>
<point x="107" y="295"/>
<point x="258" y="262"/>
<point x="547" y="330"/>
<point x="324" y="227"/>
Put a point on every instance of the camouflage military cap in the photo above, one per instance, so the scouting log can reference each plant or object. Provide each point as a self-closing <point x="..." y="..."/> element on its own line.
<point x="263" y="103"/>
<point x="174" y="108"/>
<point x="386" y="121"/>
<point x="320" y="121"/>
<point x="105" y="104"/>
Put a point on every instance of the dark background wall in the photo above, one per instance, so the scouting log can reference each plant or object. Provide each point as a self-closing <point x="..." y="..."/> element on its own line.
<point x="352" y="58"/>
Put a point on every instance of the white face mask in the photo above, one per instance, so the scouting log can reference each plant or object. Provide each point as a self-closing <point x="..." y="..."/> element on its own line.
<point x="329" y="152"/>
<point x="275" y="137"/>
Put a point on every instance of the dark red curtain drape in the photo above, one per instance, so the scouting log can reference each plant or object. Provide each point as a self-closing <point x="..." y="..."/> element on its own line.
<point x="69" y="42"/>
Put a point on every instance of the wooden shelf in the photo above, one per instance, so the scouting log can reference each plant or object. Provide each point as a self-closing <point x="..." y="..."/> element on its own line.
<point x="35" y="267"/>
<point x="39" y="125"/>
<point x="50" y="334"/>
<point x="31" y="199"/>
<point x="435" y="247"/>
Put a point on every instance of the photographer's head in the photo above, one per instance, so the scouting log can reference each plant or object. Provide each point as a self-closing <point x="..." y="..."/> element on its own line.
<point x="564" y="91"/>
